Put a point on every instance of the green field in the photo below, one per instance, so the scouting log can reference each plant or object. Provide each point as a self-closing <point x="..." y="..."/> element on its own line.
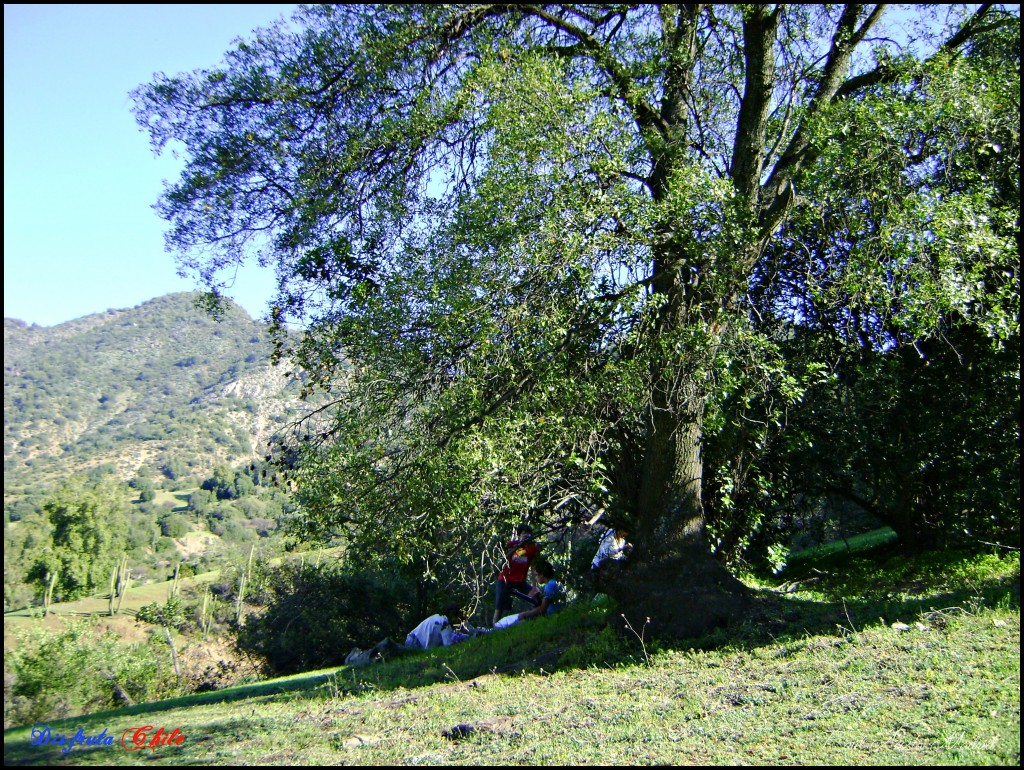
<point x="838" y="671"/>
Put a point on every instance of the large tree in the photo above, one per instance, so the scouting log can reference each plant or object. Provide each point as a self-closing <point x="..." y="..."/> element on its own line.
<point x="90" y="525"/>
<point x="522" y="240"/>
<point x="918" y="420"/>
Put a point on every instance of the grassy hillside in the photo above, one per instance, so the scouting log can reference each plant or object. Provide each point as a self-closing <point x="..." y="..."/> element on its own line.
<point x="879" y="661"/>
<point x="137" y="597"/>
<point x="163" y="396"/>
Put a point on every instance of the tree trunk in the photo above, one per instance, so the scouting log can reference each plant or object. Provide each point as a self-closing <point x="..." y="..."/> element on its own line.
<point x="669" y="506"/>
<point x="672" y="586"/>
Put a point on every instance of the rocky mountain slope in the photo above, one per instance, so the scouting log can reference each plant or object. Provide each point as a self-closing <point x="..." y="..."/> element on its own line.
<point x="161" y="385"/>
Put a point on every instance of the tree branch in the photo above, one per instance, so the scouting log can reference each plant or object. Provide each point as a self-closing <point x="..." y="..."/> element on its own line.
<point x="759" y="29"/>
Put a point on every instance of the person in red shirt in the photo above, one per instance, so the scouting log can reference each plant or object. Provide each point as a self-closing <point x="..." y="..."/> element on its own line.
<point x="512" y="580"/>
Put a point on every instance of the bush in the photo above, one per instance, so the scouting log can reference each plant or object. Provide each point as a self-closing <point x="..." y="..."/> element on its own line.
<point x="172" y="613"/>
<point x="174" y="525"/>
<point x="316" y="615"/>
<point x="76" y="670"/>
<point x="237" y="532"/>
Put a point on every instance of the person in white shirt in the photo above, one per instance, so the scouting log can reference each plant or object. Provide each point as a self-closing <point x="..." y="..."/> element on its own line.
<point x="437" y="630"/>
<point x="613" y="547"/>
<point x="441" y="630"/>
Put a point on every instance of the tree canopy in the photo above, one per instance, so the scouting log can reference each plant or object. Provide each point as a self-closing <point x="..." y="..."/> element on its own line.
<point x="544" y="254"/>
<point x="89" y="532"/>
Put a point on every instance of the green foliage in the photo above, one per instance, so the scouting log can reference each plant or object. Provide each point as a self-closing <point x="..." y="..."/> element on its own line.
<point x="925" y="439"/>
<point x="76" y="670"/>
<point x="315" y="615"/>
<point x="910" y="412"/>
<point x="172" y="613"/>
<point x="144" y="484"/>
<point x="174" y="525"/>
<point x="88" y="536"/>
<point x="547" y="259"/>
<point x="230" y="484"/>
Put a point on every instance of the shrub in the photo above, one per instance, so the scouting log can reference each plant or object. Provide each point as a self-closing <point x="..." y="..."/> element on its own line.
<point x="76" y="670"/>
<point x="316" y="615"/>
<point x="172" y="613"/>
<point x="174" y="525"/>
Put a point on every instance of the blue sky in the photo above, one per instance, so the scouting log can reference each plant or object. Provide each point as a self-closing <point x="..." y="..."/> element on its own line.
<point x="80" y="179"/>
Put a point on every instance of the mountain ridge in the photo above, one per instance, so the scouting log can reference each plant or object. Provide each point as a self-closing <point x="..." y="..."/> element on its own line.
<point x="160" y="386"/>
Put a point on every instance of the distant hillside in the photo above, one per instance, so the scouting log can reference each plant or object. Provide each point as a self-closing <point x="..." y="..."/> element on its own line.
<point x="161" y="385"/>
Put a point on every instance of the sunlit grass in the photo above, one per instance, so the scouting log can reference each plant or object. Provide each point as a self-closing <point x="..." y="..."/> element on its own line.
<point x="923" y="670"/>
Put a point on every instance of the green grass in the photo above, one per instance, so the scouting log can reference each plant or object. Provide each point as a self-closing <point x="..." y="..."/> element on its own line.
<point x="881" y="660"/>
<point x="139" y="595"/>
<point x="136" y="597"/>
<point x="869" y="541"/>
<point x="178" y="499"/>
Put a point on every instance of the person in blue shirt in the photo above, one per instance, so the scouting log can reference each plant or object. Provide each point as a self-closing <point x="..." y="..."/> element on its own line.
<point x="551" y="596"/>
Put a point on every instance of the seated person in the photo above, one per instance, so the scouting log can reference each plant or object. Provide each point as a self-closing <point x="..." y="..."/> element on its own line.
<point x="551" y="593"/>
<point x="613" y="547"/>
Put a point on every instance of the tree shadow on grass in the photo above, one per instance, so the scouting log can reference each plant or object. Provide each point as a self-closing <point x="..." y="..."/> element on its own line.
<point x="851" y="602"/>
<point x="782" y="619"/>
<point x="199" y="745"/>
<point x="823" y="602"/>
<point x="20" y="750"/>
<point x="814" y="601"/>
